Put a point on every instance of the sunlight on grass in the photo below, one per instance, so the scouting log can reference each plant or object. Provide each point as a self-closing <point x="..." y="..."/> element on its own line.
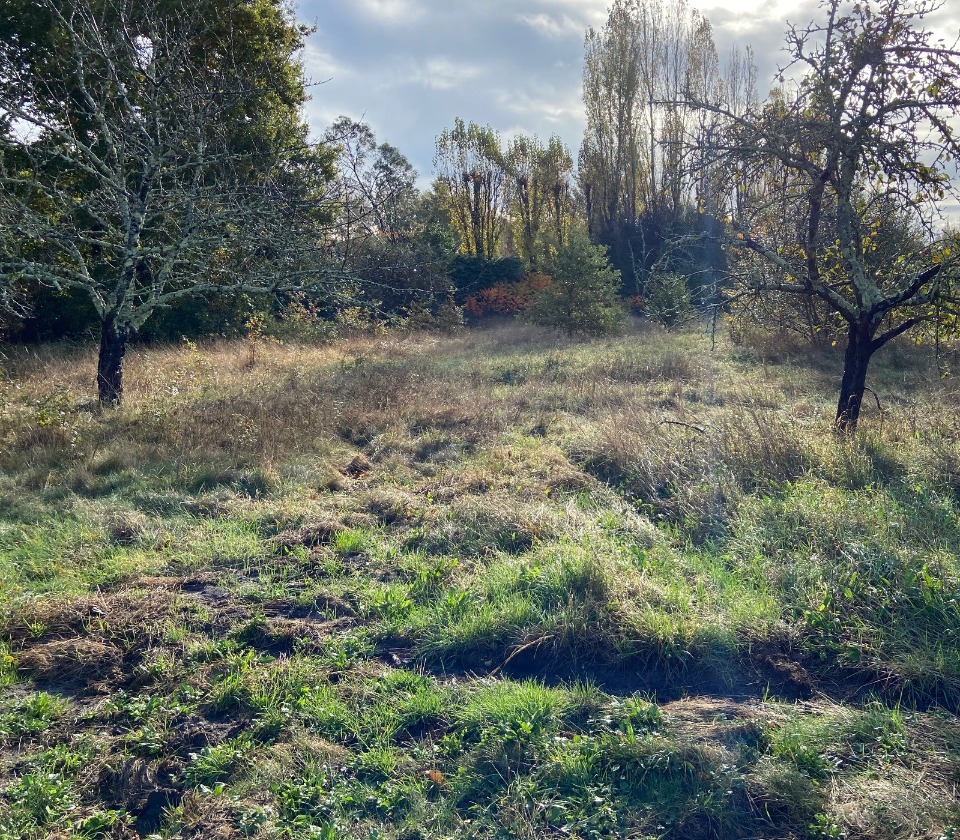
<point x="497" y="584"/>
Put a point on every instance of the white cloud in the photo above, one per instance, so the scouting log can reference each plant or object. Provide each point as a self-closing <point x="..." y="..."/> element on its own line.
<point x="391" y="11"/>
<point x="320" y="65"/>
<point x="585" y="12"/>
<point x="442" y="74"/>
<point x="553" y="27"/>
<point x="546" y="105"/>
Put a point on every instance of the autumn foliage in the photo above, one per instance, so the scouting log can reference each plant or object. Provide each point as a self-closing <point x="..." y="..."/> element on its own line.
<point x="507" y="298"/>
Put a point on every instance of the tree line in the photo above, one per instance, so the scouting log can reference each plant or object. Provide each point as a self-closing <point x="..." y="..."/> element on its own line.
<point x="157" y="179"/>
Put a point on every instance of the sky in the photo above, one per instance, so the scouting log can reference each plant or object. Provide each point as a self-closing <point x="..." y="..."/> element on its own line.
<point x="409" y="67"/>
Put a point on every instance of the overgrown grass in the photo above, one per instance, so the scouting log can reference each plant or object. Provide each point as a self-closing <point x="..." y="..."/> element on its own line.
<point x="488" y="585"/>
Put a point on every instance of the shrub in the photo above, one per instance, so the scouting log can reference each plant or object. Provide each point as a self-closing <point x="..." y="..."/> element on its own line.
<point x="668" y="299"/>
<point x="582" y="298"/>
<point x="507" y="298"/>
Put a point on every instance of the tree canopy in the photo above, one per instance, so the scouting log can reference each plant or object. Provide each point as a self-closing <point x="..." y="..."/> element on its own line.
<point x="154" y="151"/>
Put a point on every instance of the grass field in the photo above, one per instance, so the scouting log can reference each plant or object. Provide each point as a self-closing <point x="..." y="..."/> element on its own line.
<point x="489" y="585"/>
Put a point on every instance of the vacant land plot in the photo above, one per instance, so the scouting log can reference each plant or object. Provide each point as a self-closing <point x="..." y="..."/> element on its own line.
<point x="480" y="586"/>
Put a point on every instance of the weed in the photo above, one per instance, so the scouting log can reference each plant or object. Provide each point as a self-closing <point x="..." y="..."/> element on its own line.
<point x="217" y="763"/>
<point x="34" y="715"/>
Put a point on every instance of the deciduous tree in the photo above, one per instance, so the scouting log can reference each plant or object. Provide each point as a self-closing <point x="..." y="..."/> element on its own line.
<point x="383" y="233"/>
<point x="860" y="156"/>
<point x="470" y="167"/>
<point x="154" y="152"/>
<point x="540" y="205"/>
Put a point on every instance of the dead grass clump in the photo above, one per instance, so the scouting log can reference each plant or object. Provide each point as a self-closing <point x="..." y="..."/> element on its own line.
<point x="71" y="663"/>
<point x="645" y="364"/>
<point x="379" y="397"/>
<point x="392" y="506"/>
<point x="570" y="480"/>
<point x="282" y="635"/>
<point x="785" y="346"/>
<point x="694" y="474"/>
<point x="310" y="535"/>
<point x="122" y="617"/>
<point x="205" y="818"/>
<point x="125" y="527"/>
<point x="892" y="804"/>
<point x="781" y="796"/>
<point x="474" y="526"/>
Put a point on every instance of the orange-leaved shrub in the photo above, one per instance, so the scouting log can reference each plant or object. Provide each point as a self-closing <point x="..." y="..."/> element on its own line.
<point x="506" y="298"/>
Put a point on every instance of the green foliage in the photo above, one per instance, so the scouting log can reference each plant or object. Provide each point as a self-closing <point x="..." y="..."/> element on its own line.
<point x="472" y="180"/>
<point x="217" y="763"/>
<point x="34" y="715"/>
<point x="37" y="800"/>
<point x="540" y="203"/>
<point x="668" y="299"/>
<point x="471" y="274"/>
<point x="582" y="296"/>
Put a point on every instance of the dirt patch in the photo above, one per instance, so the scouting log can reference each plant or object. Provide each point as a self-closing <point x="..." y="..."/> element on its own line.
<point x="358" y="467"/>
<point x="321" y="609"/>
<point x="160" y="582"/>
<point x="144" y="788"/>
<point x="787" y="675"/>
<point x="207" y="592"/>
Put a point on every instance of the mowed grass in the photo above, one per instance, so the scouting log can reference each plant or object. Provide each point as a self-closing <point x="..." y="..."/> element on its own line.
<point x="493" y="584"/>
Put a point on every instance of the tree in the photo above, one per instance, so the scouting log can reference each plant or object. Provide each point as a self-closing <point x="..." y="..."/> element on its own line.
<point x="860" y="157"/>
<point x="470" y="167"/>
<point x="582" y="295"/>
<point x="539" y="198"/>
<point x="374" y="192"/>
<point x="636" y="167"/>
<point x="382" y="231"/>
<point x="154" y="152"/>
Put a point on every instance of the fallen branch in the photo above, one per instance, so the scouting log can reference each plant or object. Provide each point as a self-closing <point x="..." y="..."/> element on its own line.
<point x="702" y="431"/>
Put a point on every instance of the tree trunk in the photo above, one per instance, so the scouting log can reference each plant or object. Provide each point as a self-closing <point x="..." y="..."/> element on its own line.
<point x="113" y="347"/>
<point x="856" y="359"/>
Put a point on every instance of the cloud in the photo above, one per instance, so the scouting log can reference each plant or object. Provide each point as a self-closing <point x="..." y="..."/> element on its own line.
<point x="585" y="12"/>
<point x="321" y="65"/>
<point x="553" y="27"/>
<point x="391" y="11"/>
<point x="548" y="106"/>
<point x="444" y="74"/>
<point x="506" y="64"/>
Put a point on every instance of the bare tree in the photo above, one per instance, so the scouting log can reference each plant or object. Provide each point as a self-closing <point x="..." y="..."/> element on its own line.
<point x="374" y="193"/>
<point x="637" y="170"/>
<point x="121" y="174"/>
<point x="379" y="235"/>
